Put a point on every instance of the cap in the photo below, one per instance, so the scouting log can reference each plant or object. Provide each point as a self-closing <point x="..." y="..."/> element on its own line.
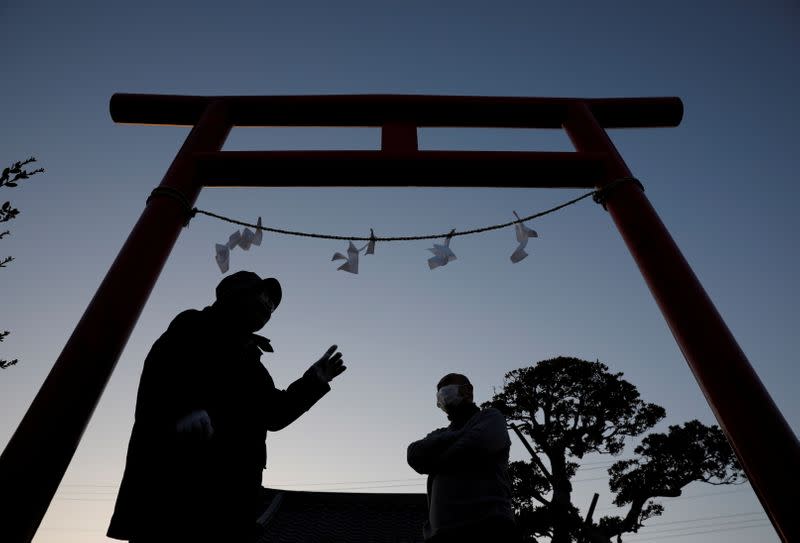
<point x="249" y="281"/>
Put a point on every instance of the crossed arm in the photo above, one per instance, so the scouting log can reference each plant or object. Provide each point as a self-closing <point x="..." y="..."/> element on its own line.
<point x="444" y="448"/>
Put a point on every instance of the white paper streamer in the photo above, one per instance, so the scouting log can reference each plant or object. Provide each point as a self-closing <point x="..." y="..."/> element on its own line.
<point x="247" y="239"/>
<point x="523" y="233"/>
<point x="244" y="239"/>
<point x="441" y="253"/>
<point x="223" y="255"/>
<point x="352" y="254"/>
<point x="352" y="259"/>
<point x="234" y="239"/>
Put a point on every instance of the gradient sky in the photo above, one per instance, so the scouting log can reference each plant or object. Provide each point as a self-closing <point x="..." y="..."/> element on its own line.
<point x="724" y="183"/>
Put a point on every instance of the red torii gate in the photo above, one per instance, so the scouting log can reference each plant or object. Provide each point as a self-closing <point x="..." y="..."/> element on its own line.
<point x="34" y="462"/>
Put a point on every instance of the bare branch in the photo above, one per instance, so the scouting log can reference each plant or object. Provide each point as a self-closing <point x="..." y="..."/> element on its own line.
<point x="535" y="457"/>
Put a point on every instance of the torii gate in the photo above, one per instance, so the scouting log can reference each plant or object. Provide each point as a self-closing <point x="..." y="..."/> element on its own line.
<point x="34" y="462"/>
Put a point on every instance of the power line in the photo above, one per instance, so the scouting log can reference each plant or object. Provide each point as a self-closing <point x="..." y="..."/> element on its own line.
<point x="351" y="482"/>
<point x="92" y="485"/>
<point x="65" y="499"/>
<point x="581" y="468"/>
<point x="659" y="533"/>
<point x="73" y="489"/>
<point x="82" y="530"/>
<point x="116" y="486"/>
<point x="658" y="538"/>
<point x="369" y="487"/>
<point x="686" y="497"/>
<point x="291" y="483"/>
<point x="647" y="532"/>
<point x="702" y="519"/>
<point x="712" y="529"/>
<point x="97" y="493"/>
<point x="102" y="489"/>
<point x="602" y="462"/>
<point x="591" y="479"/>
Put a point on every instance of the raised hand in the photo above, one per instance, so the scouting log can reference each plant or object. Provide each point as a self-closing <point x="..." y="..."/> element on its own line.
<point x="330" y="365"/>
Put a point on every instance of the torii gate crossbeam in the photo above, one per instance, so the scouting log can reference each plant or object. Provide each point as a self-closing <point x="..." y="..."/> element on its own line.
<point x="39" y="452"/>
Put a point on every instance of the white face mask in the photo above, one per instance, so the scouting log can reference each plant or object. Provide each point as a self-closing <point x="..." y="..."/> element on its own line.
<point x="447" y="397"/>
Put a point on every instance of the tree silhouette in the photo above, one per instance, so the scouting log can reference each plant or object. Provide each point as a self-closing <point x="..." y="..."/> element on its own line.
<point x="569" y="408"/>
<point x="11" y="177"/>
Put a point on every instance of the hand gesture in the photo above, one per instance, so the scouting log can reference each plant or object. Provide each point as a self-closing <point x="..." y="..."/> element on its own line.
<point x="196" y="423"/>
<point x="330" y="365"/>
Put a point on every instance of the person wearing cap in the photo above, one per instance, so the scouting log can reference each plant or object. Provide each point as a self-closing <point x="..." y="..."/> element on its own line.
<point x="204" y="406"/>
<point x="469" y="489"/>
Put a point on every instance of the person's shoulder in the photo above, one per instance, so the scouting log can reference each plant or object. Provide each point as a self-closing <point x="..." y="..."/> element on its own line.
<point x="188" y="321"/>
<point x="187" y="317"/>
<point x="492" y="413"/>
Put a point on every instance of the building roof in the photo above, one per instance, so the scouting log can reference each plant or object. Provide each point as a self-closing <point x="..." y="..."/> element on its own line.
<point x="297" y="516"/>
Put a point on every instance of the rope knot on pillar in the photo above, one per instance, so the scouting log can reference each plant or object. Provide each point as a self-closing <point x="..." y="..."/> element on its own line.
<point x="177" y="195"/>
<point x="601" y="195"/>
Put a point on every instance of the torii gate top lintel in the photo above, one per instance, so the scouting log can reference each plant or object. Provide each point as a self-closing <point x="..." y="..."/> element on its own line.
<point x="380" y="109"/>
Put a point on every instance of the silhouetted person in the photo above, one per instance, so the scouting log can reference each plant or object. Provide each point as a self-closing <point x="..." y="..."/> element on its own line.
<point x="204" y="406"/>
<point x="469" y="489"/>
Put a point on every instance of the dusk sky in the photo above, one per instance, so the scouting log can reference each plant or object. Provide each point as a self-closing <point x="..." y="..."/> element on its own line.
<point x="724" y="182"/>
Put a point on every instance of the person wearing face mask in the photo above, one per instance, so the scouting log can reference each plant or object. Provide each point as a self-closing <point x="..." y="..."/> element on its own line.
<point x="204" y="406"/>
<point x="469" y="489"/>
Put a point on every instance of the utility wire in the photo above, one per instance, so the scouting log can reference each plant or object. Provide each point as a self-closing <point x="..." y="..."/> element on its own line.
<point x="581" y="468"/>
<point x="104" y="489"/>
<point x="714" y="528"/>
<point x="659" y="538"/>
<point x="703" y="519"/>
<point x="292" y="483"/>
<point x="419" y="479"/>
<point x="646" y="532"/>
<point x="686" y="531"/>
<point x="368" y="487"/>
<point x="683" y="497"/>
<point x="98" y="497"/>
<point x="332" y="488"/>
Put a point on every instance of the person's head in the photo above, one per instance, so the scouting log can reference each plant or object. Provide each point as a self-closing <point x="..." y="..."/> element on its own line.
<point x="246" y="300"/>
<point x="452" y="391"/>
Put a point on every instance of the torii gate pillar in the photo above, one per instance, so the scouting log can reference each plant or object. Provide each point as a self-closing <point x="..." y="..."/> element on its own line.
<point x="763" y="442"/>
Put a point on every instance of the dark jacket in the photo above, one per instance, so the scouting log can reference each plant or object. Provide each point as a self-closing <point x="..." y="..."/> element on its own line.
<point x="200" y="363"/>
